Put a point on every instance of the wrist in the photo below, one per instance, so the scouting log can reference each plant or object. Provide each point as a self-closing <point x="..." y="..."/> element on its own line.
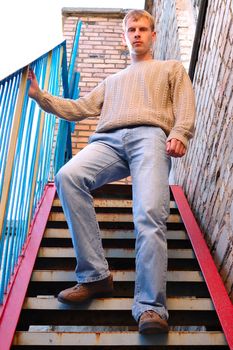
<point x="36" y="94"/>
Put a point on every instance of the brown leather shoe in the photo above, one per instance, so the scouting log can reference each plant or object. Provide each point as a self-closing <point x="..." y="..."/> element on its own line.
<point x="82" y="292"/>
<point x="151" y="323"/>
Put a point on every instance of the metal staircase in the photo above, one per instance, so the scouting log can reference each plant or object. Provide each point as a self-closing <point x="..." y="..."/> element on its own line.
<point x="44" y="323"/>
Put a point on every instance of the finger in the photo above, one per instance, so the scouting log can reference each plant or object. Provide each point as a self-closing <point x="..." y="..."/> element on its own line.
<point x="173" y="146"/>
<point x="31" y="74"/>
<point x="178" y="147"/>
<point x="168" y="145"/>
<point x="180" y="151"/>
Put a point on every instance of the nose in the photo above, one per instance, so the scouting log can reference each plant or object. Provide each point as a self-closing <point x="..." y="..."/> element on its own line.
<point x="137" y="33"/>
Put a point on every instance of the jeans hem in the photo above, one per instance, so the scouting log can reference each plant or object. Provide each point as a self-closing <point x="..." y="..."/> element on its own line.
<point x="93" y="279"/>
<point x="162" y="312"/>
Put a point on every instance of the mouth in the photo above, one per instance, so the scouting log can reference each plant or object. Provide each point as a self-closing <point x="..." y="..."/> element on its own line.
<point x="137" y="43"/>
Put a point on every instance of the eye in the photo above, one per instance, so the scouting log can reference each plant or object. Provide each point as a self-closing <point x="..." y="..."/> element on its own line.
<point x="131" y="30"/>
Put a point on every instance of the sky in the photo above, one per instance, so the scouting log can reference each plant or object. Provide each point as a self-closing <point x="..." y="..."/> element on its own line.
<point x="129" y="4"/>
<point x="29" y="28"/>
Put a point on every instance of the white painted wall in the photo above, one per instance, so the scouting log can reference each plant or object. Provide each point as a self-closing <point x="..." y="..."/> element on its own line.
<point x="28" y="29"/>
<point x="125" y="4"/>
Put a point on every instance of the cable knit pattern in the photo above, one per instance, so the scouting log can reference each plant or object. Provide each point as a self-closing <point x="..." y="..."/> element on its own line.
<point x="157" y="93"/>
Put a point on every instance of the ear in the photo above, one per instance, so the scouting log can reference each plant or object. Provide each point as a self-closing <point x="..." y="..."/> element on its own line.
<point x="123" y="39"/>
<point x="153" y="36"/>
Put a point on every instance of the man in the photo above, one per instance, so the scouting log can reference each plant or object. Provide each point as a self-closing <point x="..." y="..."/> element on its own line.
<point x="146" y="114"/>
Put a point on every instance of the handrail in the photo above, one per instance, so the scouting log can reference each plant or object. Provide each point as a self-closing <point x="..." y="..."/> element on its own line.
<point x="28" y="157"/>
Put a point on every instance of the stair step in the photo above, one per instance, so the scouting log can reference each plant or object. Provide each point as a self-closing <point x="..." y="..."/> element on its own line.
<point x="112" y="217"/>
<point x="114" y="190"/>
<point x="118" y="276"/>
<point x="51" y="303"/>
<point x="113" y="234"/>
<point x="172" y="339"/>
<point x="107" y="323"/>
<point x="110" y="203"/>
<point x="57" y="252"/>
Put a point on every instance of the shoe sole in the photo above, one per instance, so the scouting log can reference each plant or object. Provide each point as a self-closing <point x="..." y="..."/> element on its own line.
<point x="76" y="302"/>
<point x="153" y="328"/>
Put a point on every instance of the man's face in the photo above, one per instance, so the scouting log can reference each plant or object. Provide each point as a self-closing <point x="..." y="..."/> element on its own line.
<point x="139" y="37"/>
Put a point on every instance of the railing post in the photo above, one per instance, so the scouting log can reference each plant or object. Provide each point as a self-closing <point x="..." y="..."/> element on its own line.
<point x="42" y="120"/>
<point x="12" y="148"/>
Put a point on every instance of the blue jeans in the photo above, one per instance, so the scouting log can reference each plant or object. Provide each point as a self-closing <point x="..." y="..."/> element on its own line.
<point x="139" y="152"/>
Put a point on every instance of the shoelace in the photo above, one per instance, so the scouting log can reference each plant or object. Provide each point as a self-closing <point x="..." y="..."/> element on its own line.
<point x="150" y="313"/>
<point x="77" y="286"/>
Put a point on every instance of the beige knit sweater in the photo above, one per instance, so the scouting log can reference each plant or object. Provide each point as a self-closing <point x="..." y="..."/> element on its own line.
<point x="157" y="93"/>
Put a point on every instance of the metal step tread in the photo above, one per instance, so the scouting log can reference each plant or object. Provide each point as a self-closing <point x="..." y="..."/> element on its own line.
<point x="57" y="252"/>
<point x="51" y="303"/>
<point x="112" y="217"/>
<point x="110" y="203"/>
<point x="113" y="234"/>
<point x="130" y="338"/>
<point x="118" y="276"/>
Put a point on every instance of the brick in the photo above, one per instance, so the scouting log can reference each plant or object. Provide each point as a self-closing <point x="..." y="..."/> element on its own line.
<point x="80" y="146"/>
<point x="86" y="75"/>
<point x="83" y="133"/>
<point x="90" y="121"/>
<point x="82" y="139"/>
<point x="86" y="65"/>
<point x="83" y="46"/>
<point x="109" y="30"/>
<point x="94" y="60"/>
<point x="92" y="79"/>
<point x="99" y="65"/>
<point x="110" y="70"/>
<point x="93" y="127"/>
<point x="113" y="61"/>
<point x="79" y="126"/>
<point x="120" y="66"/>
<point x="102" y="76"/>
<point x="91" y="70"/>
<point x="105" y="47"/>
<point x="83" y="55"/>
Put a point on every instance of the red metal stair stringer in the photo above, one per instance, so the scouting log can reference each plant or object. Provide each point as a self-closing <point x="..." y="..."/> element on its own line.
<point x="11" y="308"/>
<point x="217" y="290"/>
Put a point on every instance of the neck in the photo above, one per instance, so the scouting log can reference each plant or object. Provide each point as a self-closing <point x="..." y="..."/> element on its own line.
<point x="140" y="58"/>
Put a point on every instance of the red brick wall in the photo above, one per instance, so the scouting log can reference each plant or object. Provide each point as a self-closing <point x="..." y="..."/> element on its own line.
<point x="101" y="53"/>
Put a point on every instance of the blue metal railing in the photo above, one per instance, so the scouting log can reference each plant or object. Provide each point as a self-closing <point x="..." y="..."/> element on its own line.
<point x="31" y="151"/>
<point x="71" y="90"/>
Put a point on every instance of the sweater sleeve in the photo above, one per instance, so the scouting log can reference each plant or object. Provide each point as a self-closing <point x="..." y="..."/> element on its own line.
<point x="73" y="110"/>
<point x="183" y="101"/>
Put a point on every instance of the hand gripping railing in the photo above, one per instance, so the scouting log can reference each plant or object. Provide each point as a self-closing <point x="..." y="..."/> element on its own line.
<point x="31" y="150"/>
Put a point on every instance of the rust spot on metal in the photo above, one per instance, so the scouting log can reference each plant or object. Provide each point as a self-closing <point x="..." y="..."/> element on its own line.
<point x="97" y="337"/>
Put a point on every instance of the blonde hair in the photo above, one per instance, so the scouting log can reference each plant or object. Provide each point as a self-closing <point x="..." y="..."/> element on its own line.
<point x="136" y="15"/>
